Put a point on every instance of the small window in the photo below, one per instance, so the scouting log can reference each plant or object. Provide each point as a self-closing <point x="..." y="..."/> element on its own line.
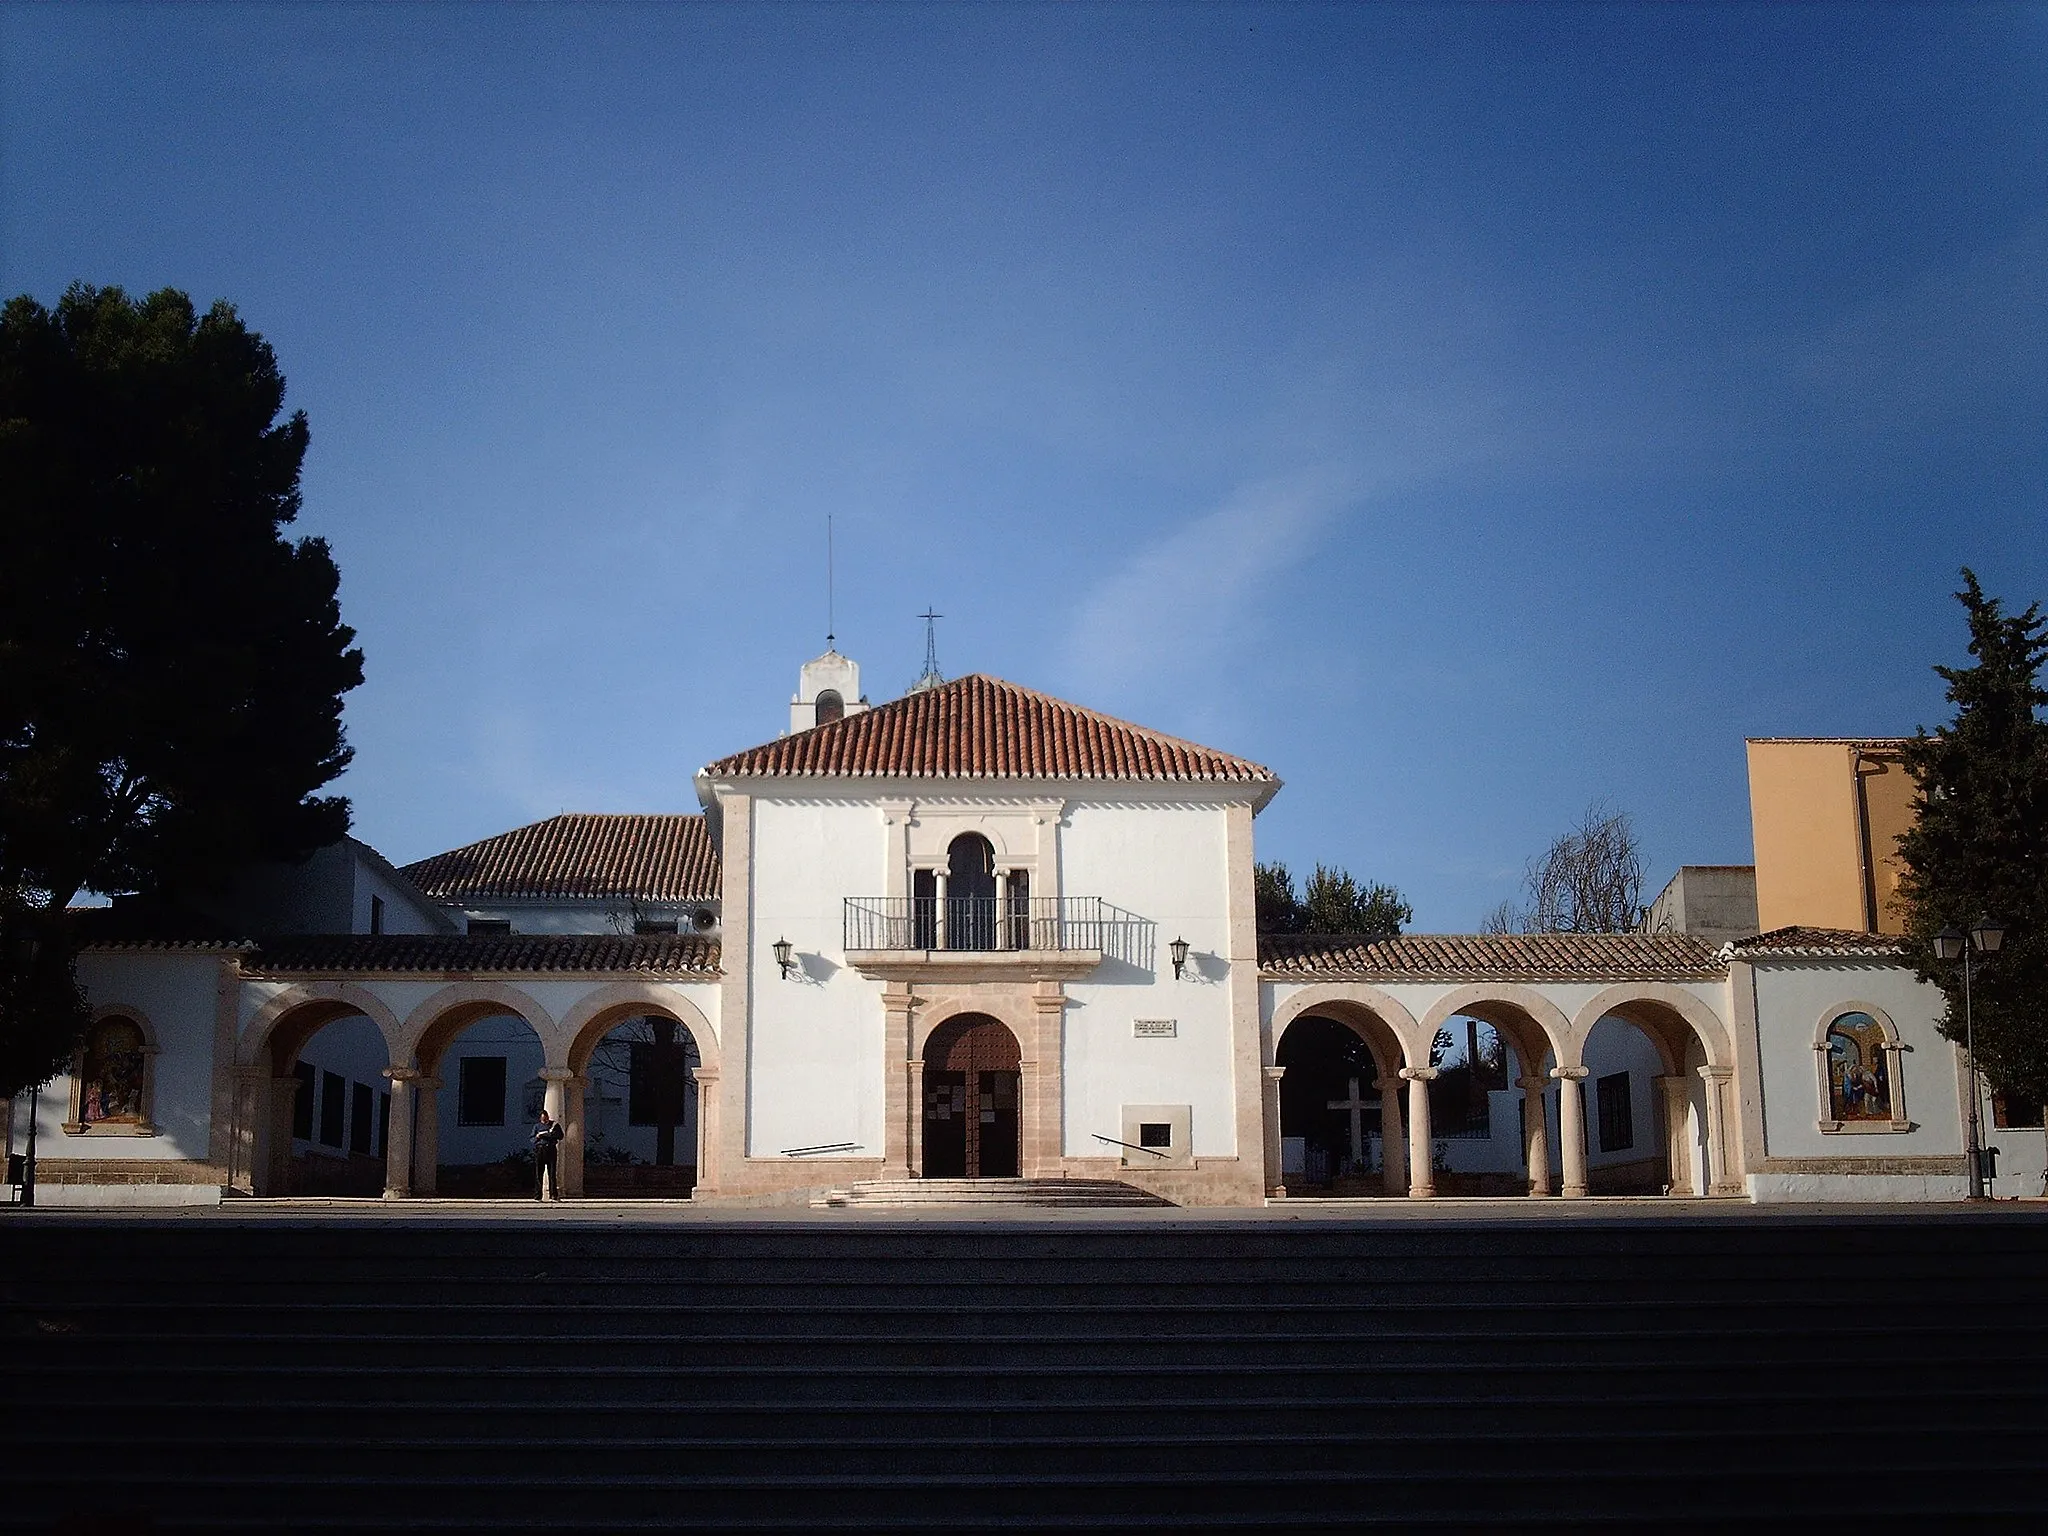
<point x="302" y="1101"/>
<point x="647" y="925"/>
<point x="376" y="914"/>
<point x="830" y="707"/>
<point x="480" y="1091"/>
<point x="333" y="1107"/>
<point x="1617" y="1113"/>
<point x="2011" y="1111"/>
<point x="1859" y="1084"/>
<point x="1155" y="1134"/>
<point x="490" y="925"/>
<point x="359" y="1121"/>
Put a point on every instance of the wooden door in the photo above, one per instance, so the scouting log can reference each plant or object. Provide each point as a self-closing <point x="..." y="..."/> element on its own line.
<point x="972" y="1090"/>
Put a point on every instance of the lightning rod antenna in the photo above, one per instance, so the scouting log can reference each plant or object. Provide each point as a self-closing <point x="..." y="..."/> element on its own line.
<point x="831" y="618"/>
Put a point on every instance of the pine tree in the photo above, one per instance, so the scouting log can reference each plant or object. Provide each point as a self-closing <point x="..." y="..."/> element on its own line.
<point x="1979" y="844"/>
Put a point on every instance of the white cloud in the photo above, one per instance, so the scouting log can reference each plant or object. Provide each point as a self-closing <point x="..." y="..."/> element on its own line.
<point x="1188" y="596"/>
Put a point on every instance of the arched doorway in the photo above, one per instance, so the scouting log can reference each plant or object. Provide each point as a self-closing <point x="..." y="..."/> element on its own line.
<point x="481" y="1095"/>
<point x="321" y="1127"/>
<point x="1330" y="1110"/>
<point x="972" y="1075"/>
<point x="640" y="1109"/>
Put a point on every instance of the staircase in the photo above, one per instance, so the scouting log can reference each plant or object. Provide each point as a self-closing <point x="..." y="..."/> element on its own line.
<point x="1068" y="1194"/>
<point x="1144" y="1373"/>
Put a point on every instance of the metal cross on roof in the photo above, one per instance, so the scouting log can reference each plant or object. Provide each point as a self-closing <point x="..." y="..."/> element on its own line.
<point x="931" y="677"/>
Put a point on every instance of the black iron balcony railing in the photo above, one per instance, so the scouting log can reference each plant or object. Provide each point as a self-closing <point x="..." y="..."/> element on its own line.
<point x="1037" y="923"/>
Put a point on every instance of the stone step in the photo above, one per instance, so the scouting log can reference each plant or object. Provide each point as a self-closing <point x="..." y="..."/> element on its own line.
<point x="1070" y="1194"/>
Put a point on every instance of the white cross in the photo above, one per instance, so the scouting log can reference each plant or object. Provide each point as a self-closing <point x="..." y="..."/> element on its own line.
<point x="1358" y="1107"/>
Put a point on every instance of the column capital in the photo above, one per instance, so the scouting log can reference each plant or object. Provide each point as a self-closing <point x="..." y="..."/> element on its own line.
<point x="402" y="1074"/>
<point x="1274" y="1074"/>
<point x="706" y="1074"/>
<point x="1420" y="1074"/>
<point x="555" y="1075"/>
<point x="1715" y="1074"/>
<point x="896" y="1001"/>
<point x="1532" y="1082"/>
<point x="1571" y="1074"/>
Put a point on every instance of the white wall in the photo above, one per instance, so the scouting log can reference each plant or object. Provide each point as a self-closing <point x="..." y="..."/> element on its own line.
<point x="814" y="1041"/>
<point x="1165" y="863"/>
<point x="354" y="1050"/>
<point x="1795" y="998"/>
<point x="505" y="1036"/>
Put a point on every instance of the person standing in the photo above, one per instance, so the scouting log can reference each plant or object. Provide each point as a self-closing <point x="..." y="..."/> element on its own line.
<point x="547" y="1136"/>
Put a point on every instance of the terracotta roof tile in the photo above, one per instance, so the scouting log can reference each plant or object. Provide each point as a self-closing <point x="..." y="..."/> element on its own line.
<point x="1820" y="941"/>
<point x="983" y="727"/>
<point x="1488" y="957"/>
<point x="652" y="857"/>
<point x="463" y="954"/>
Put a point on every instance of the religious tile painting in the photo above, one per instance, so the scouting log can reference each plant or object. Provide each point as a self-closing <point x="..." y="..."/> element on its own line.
<point x="112" y="1074"/>
<point x="1858" y="1085"/>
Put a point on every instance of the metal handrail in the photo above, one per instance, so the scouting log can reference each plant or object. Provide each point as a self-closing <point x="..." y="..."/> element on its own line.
<point x="1148" y="1151"/>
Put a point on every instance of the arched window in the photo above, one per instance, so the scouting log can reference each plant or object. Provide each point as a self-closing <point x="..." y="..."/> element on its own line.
<point x="830" y="706"/>
<point x="1859" y="1073"/>
<point x="112" y="1083"/>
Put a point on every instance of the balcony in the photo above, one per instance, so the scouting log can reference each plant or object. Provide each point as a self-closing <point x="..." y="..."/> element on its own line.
<point x="1043" y="936"/>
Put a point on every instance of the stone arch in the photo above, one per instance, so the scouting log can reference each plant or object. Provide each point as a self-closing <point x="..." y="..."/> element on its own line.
<point x="1525" y="1018"/>
<point x="1005" y="1011"/>
<point x="1666" y="1014"/>
<point x="434" y="1024"/>
<point x="295" y="1015"/>
<point x="585" y="1025"/>
<point x="1359" y="1007"/>
<point x="602" y="1010"/>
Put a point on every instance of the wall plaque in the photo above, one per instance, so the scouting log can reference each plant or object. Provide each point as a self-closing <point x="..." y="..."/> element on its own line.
<point x="1155" y="1029"/>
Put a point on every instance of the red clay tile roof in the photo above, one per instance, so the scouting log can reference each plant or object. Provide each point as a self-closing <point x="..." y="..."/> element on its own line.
<point x="1821" y="941"/>
<point x="652" y="857"/>
<point x="982" y="727"/>
<point x="1488" y="957"/>
<point x="461" y="954"/>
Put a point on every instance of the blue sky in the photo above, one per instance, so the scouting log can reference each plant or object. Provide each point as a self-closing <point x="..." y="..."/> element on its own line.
<point x="1471" y="412"/>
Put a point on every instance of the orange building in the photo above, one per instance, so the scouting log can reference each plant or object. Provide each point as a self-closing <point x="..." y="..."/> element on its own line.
<point x="1827" y="813"/>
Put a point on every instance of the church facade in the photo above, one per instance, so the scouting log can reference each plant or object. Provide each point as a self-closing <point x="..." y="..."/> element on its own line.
<point x="976" y="932"/>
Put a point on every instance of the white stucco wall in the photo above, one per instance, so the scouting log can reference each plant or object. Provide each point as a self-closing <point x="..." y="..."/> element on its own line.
<point x="1795" y="999"/>
<point x="175" y="995"/>
<point x="814" y="1067"/>
<point x="1165" y="863"/>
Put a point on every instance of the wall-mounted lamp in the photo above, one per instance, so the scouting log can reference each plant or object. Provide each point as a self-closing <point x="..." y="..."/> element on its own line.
<point x="785" y="956"/>
<point x="1179" y="949"/>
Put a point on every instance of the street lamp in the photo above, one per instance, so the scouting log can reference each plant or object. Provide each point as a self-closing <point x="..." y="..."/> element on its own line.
<point x="1179" y="947"/>
<point x="785" y="956"/>
<point x="1985" y="937"/>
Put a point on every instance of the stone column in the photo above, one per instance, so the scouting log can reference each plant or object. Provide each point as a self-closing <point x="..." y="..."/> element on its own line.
<point x="248" y="1137"/>
<point x="1044" y="1118"/>
<point x="939" y="908"/>
<point x="707" y="1131"/>
<point x="398" y="1135"/>
<point x="284" y="1095"/>
<point x="1421" y="1162"/>
<point x="426" y="1136"/>
<point x="901" y="1104"/>
<point x="1721" y="1179"/>
<point x="556" y="1099"/>
<point x="1393" y="1137"/>
<point x="913" y="1088"/>
<point x="1276" y="1187"/>
<point x="1571" y="1128"/>
<point x="575" y="1134"/>
<point x="1536" y="1134"/>
<point x="1673" y="1094"/>
<point x="1002" y="909"/>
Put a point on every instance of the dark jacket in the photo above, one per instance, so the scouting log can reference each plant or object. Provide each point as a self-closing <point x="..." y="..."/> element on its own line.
<point x="546" y="1138"/>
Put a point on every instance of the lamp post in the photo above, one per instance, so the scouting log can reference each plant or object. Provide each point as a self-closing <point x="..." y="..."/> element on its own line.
<point x="785" y="956"/>
<point x="1985" y="937"/>
<point x="1179" y="948"/>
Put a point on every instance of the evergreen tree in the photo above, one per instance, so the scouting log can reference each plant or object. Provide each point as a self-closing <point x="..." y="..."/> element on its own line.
<point x="1334" y="903"/>
<point x="1979" y="843"/>
<point x="171" y="666"/>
